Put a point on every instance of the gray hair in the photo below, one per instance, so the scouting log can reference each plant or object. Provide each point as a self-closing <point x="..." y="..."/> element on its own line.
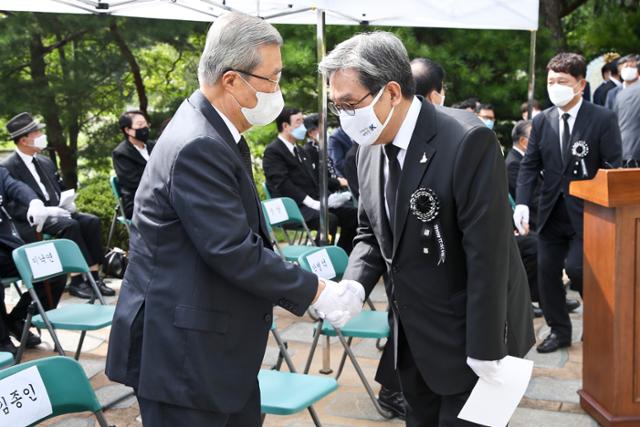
<point x="232" y="43"/>
<point x="378" y="57"/>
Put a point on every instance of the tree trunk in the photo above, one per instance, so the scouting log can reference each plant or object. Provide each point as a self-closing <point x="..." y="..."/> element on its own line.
<point x="49" y="110"/>
<point x="133" y="64"/>
<point x="551" y="12"/>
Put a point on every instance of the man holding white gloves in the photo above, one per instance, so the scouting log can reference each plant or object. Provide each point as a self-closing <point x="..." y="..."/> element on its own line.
<point x="456" y="285"/>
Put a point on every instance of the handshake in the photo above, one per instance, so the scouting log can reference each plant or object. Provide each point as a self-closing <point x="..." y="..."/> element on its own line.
<point x="339" y="302"/>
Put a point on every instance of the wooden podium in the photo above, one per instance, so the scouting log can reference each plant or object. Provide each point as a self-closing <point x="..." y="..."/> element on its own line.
<point x="611" y="349"/>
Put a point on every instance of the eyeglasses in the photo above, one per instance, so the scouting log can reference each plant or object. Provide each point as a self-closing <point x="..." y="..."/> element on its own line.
<point x="349" y="109"/>
<point x="276" y="82"/>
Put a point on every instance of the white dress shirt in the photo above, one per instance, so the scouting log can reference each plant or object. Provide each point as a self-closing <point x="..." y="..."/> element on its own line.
<point x="573" y="113"/>
<point x="289" y="145"/>
<point x="235" y="134"/>
<point x="143" y="151"/>
<point x="402" y="139"/>
<point x="28" y="161"/>
<point x="518" y="150"/>
<point x="308" y="201"/>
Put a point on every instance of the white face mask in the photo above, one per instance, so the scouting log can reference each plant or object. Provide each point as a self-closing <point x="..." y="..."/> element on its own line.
<point x="364" y="127"/>
<point x="40" y="142"/>
<point x="269" y="105"/>
<point x="560" y="95"/>
<point x="629" y="74"/>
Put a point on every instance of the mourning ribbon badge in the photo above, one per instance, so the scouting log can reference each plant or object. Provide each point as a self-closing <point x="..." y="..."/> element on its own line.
<point x="579" y="151"/>
<point x="425" y="206"/>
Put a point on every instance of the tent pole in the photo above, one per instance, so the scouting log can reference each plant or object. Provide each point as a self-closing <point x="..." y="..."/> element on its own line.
<point x="532" y="73"/>
<point x="322" y="137"/>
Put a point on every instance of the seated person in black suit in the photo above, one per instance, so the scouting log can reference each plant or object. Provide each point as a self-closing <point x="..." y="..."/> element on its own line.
<point x="131" y="155"/>
<point x="291" y="172"/>
<point x="312" y="147"/>
<point x="49" y="291"/>
<point x="39" y="173"/>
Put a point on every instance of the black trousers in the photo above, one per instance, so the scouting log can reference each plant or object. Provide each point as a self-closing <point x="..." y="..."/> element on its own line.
<point x="528" y="246"/>
<point x="81" y="228"/>
<point x="158" y="414"/>
<point x="425" y="408"/>
<point x="345" y="217"/>
<point x="386" y="375"/>
<point x="557" y="242"/>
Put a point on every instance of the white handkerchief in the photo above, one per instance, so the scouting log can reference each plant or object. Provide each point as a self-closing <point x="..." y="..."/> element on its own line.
<point x="67" y="197"/>
<point x="493" y="405"/>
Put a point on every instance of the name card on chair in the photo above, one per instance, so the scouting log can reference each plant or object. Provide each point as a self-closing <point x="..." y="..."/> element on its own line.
<point x="43" y="260"/>
<point x="321" y="265"/>
<point x="23" y="398"/>
<point x="276" y="211"/>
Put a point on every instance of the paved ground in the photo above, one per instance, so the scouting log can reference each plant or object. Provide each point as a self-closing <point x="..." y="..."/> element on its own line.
<point x="550" y="401"/>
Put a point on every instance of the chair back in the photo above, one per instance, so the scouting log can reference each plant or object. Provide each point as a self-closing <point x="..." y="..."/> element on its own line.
<point x="67" y="385"/>
<point x="267" y="194"/>
<point x="71" y="260"/>
<point x="294" y="216"/>
<point x="337" y="257"/>
<point x="115" y="187"/>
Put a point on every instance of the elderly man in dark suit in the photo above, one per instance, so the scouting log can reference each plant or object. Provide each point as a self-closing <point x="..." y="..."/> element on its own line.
<point x="191" y="324"/>
<point x="445" y="244"/>
<point x="28" y="165"/>
<point x="131" y="156"/>
<point x="569" y="141"/>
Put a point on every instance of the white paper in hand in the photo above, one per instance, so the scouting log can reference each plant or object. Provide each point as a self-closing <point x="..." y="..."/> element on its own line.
<point x="320" y="264"/>
<point x="23" y="399"/>
<point x="67" y="197"/>
<point x="493" y="405"/>
<point x="43" y="260"/>
<point x="276" y="211"/>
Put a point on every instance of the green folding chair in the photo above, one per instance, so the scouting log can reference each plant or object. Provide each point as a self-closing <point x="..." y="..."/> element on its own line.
<point x="75" y="317"/>
<point x="368" y="324"/>
<point x="267" y="194"/>
<point x="6" y="359"/>
<point x="295" y="246"/>
<point x="8" y="281"/>
<point x="67" y="386"/>
<point x="286" y="393"/>
<point x="118" y="211"/>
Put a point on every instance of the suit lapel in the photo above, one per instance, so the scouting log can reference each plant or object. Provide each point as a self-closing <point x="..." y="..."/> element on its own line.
<point x="26" y="176"/>
<point x="576" y="133"/>
<point x="135" y="154"/>
<point x="554" y="138"/>
<point x="377" y="190"/>
<point x="416" y="162"/>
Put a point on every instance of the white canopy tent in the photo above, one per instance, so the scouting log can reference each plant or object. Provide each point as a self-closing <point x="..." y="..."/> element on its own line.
<point x="476" y="14"/>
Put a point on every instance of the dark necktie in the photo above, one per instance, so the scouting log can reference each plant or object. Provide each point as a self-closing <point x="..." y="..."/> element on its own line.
<point x="296" y="154"/>
<point x="246" y="156"/>
<point x="566" y="135"/>
<point x="44" y="178"/>
<point x="393" y="179"/>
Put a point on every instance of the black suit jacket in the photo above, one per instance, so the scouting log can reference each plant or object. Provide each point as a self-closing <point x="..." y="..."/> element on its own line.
<point x="287" y="177"/>
<point x="477" y="302"/>
<point x="129" y="165"/>
<point x="16" y="193"/>
<point x="600" y="94"/>
<point x="513" y="168"/>
<point x="19" y="171"/>
<point x="595" y="125"/>
<point x="195" y="308"/>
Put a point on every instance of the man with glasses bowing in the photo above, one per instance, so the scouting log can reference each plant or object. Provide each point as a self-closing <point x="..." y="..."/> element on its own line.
<point x="445" y="244"/>
<point x="191" y="325"/>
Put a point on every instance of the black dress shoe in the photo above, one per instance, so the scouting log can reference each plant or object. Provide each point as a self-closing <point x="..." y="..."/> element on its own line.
<point x="104" y="289"/>
<point x="8" y="346"/>
<point x="572" y="305"/>
<point x="537" y="311"/>
<point x="81" y="290"/>
<point x="15" y="329"/>
<point x="392" y="401"/>
<point x="551" y="343"/>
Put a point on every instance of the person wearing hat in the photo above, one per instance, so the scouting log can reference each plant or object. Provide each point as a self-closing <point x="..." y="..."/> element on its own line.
<point x="40" y="174"/>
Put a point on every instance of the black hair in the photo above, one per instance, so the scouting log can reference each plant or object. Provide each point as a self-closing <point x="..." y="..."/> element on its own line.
<point x="125" y="120"/>
<point x="524" y="108"/>
<point x="428" y="77"/>
<point x="285" y="117"/>
<point x="570" y="63"/>
<point x="485" y="107"/>
<point x="312" y="121"/>
<point x="520" y="130"/>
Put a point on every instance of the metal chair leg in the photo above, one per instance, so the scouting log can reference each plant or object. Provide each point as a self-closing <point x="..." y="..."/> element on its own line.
<point x="102" y="421"/>
<point x="314" y="344"/>
<point x="45" y="319"/>
<point x="343" y="359"/>
<point x="113" y="226"/>
<point x="363" y="379"/>
<point x="314" y="416"/>
<point x="82" y="335"/>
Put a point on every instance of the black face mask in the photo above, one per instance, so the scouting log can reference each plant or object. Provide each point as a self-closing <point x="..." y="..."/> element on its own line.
<point x="142" y="134"/>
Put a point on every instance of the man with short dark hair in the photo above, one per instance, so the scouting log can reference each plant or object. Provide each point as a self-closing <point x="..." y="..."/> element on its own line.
<point x="486" y="114"/>
<point x="569" y="141"/>
<point x="290" y="172"/>
<point x="628" y="70"/>
<point x="429" y="78"/>
<point x="131" y="155"/>
<point x="610" y="77"/>
<point x="28" y="165"/>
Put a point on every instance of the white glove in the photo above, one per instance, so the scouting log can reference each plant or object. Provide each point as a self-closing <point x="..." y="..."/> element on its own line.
<point x="69" y="207"/>
<point x="55" y="211"/>
<point x="338" y="199"/>
<point x="488" y="370"/>
<point x="521" y="219"/>
<point x="339" y="302"/>
<point x="37" y="214"/>
<point x="311" y="203"/>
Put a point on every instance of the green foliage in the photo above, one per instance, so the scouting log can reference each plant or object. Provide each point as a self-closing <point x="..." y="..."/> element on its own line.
<point x="95" y="197"/>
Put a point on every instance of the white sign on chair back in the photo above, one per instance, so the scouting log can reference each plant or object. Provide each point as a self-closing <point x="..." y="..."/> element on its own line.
<point x="43" y="260"/>
<point x="23" y="399"/>
<point x="276" y="211"/>
<point x="321" y="265"/>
